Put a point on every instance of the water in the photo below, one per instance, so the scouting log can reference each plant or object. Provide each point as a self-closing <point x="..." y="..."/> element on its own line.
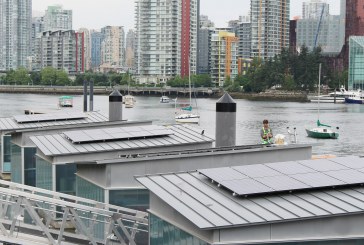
<point x="250" y="114"/>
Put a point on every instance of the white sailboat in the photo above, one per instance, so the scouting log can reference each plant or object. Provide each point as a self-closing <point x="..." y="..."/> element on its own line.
<point x="129" y="99"/>
<point x="186" y="115"/>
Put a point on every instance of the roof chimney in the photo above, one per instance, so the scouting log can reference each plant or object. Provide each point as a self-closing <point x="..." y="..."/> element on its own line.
<point x="225" y="121"/>
<point x="115" y="106"/>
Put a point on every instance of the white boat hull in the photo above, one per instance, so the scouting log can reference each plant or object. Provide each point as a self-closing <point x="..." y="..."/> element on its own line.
<point x="187" y="118"/>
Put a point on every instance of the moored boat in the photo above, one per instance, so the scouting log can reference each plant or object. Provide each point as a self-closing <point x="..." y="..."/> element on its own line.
<point x="164" y="99"/>
<point x="65" y="101"/>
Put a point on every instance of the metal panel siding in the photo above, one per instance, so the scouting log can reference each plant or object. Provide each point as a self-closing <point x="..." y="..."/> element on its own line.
<point x="191" y="202"/>
<point x="329" y="207"/>
<point x="57" y="147"/>
<point x="205" y="200"/>
<point x="69" y="148"/>
<point x="345" y="197"/>
<point x="337" y="202"/>
<point x="189" y="213"/>
<point x="263" y="212"/>
<point x="41" y="146"/>
<point x="304" y="204"/>
<point x="239" y="210"/>
<point x="294" y="209"/>
<point x="277" y="210"/>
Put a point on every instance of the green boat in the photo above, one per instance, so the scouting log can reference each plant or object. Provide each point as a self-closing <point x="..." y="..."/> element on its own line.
<point x="322" y="131"/>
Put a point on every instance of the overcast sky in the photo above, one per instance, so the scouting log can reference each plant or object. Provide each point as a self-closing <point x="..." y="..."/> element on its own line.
<point x="96" y="14"/>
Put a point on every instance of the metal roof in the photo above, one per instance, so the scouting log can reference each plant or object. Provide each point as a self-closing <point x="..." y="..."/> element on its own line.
<point x="10" y="123"/>
<point x="288" y="176"/>
<point x="59" y="144"/>
<point x="117" y="133"/>
<point x="209" y="207"/>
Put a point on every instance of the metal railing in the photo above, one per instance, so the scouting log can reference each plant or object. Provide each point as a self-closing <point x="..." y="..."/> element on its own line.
<point x="30" y="215"/>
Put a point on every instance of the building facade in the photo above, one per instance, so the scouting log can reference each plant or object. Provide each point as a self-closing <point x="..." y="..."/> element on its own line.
<point x="62" y="50"/>
<point x="320" y="29"/>
<point x="56" y="18"/>
<point x="166" y="39"/>
<point x="129" y="49"/>
<point x="224" y="57"/>
<point x="112" y="47"/>
<point x="96" y="41"/>
<point x="204" y="48"/>
<point x="87" y="47"/>
<point x="353" y="10"/>
<point x="243" y="33"/>
<point x="15" y="33"/>
<point x="356" y="63"/>
<point x="270" y="27"/>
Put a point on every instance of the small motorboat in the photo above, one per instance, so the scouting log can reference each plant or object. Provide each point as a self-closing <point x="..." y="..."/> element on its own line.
<point x="164" y="99"/>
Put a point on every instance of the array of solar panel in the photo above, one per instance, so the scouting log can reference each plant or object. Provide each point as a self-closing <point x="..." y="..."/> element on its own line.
<point x="288" y="176"/>
<point x="47" y="117"/>
<point x="118" y="133"/>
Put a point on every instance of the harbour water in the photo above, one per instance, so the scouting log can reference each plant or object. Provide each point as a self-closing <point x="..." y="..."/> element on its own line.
<point x="250" y="114"/>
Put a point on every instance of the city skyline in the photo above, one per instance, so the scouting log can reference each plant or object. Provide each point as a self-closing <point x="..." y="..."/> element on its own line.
<point x="94" y="18"/>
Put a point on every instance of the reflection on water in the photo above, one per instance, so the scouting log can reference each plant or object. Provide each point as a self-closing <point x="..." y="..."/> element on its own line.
<point x="250" y="115"/>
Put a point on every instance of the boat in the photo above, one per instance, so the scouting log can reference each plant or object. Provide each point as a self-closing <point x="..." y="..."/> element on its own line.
<point x="358" y="99"/>
<point x="129" y="101"/>
<point x="321" y="131"/>
<point x="185" y="115"/>
<point x="164" y="99"/>
<point x="335" y="97"/>
<point x="65" y="101"/>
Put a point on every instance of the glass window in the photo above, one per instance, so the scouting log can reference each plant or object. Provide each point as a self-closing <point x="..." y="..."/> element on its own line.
<point x="163" y="233"/>
<point x="135" y="199"/>
<point x="43" y="176"/>
<point x="88" y="190"/>
<point x="16" y="168"/>
<point x="29" y="166"/>
<point x="7" y="154"/>
<point x="66" y="179"/>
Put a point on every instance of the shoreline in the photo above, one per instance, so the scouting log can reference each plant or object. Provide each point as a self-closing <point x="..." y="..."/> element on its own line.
<point x="78" y="90"/>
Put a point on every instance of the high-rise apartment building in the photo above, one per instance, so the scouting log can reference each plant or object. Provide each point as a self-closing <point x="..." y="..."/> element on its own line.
<point x="15" y="33"/>
<point x="56" y="19"/>
<point x="96" y="40"/>
<point x="242" y="31"/>
<point x="37" y="29"/>
<point x="112" y="47"/>
<point x="87" y="47"/>
<point x="270" y="27"/>
<point x="204" y="49"/>
<point x="129" y="49"/>
<point x="166" y="39"/>
<point x="320" y="29"/>
<point x="62" y="50"/>
<point x="224" y="57"/>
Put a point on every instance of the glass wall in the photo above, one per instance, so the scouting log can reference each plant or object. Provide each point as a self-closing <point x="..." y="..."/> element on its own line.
<point x="163" y="233"/>
<point x="88" y="190"/>
<point x="16" y="166"/>
<point x="7" y="154"/>
<point x="135" y="199"/>
<point x="29" y="166"/>
<point x="356" y="63"/>
<point x="43" y="177"/>
<point x="66" y="178"/>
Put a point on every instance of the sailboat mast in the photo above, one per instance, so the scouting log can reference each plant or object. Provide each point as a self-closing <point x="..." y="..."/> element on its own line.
<point x="318" y="98"/>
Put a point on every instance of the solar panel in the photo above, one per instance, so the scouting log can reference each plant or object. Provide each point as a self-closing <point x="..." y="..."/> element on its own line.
<point x="288" y="176"/>
<point x="119" y="133"/>
<point x="47" y="117"/>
